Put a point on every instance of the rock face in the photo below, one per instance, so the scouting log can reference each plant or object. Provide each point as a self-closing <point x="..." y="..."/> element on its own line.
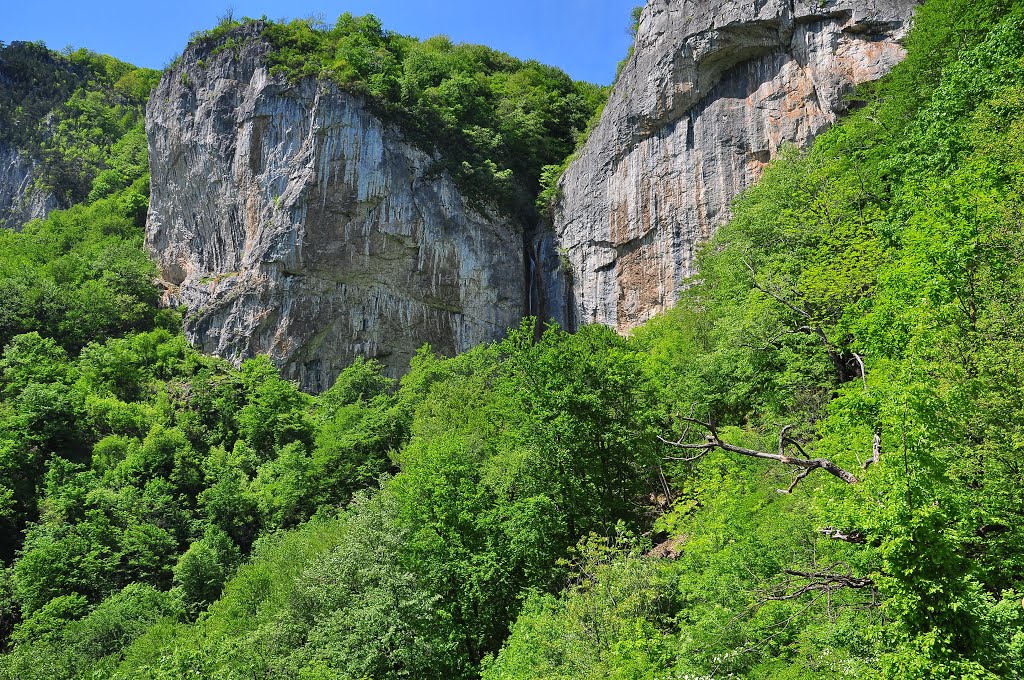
<point x="20" y="200"/>
<point x="711" y="92"/>
<point x="291" y="221"/>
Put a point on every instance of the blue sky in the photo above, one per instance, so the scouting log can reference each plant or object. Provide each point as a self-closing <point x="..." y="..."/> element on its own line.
<point x="587" y="38"/>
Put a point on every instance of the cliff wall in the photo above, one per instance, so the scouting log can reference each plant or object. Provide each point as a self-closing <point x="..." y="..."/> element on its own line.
<point x="20" y="199"/>
<point x="710" y="93"/>
<point x="290" y="220"/>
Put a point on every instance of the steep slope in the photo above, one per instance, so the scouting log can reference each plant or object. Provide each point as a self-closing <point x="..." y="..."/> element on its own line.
<point x="24" y="67"/>
<point x="290" y="219"/>
<point x="20" y="199"/>
<point x="70" y="129"/>
<point x="164" y="515"/>
<point x="710" y="94"/>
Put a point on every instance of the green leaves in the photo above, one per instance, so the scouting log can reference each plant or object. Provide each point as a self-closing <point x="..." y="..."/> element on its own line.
<point x="495" y="512"/>
<point x="80" y="114"/>
<point x="204" y="568"/>
<point x="868" y="292"/>
<point x="495" y="120"/>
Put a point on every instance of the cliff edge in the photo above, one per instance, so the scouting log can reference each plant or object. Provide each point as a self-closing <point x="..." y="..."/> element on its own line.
<point x="290" y="220"/>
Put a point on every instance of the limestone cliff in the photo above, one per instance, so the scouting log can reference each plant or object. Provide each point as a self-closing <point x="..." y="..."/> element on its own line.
<point x="290" y="220"/>
<point x="20" y="199"/>
<point x="710" y="93"/>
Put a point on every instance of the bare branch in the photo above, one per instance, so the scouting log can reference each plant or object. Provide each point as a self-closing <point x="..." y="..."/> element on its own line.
<point x="680" y="445"/>
<point x="665" y="486"/>
<point x="817" y="585"/>
<point x="876" y="449"/>
<point x="825" y="581"/>
<point x="772" y="294"/>
<point x="807" y="464"/>
<point x="710" y="427"/>
<point x="799" y="448"/>
<point x="704" y="450"/>
<point x="854" y="537"/>
<point x="782" y="439"/>
<point x="863" y="373"/>
<point x="800" y="476"/>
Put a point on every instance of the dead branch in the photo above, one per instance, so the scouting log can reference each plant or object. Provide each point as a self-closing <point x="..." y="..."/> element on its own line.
<point x="800" y="476"/>
<point x="806" y="464"/>
<point x="704" y="450"/>
<point x="783" y="440"/>
<point x="863" y="372"/>
<point x="842" y="535"/>
<point x="836" y="577"/>
<point x="876" y="449"/>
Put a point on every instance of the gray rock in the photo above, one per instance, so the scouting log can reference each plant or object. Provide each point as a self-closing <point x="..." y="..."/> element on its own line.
<point x="290" y="220"/>
<point x="711" y="92"/>
<point x="20" y="199"/>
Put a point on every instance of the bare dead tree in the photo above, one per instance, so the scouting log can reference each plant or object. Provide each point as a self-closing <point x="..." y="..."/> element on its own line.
<point x="844" y="535"/>
<point x="804" y="463"/>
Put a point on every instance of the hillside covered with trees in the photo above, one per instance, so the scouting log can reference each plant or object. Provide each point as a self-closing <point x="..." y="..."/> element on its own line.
<point x="810" y="468"/>
<point x="78" y="113"/>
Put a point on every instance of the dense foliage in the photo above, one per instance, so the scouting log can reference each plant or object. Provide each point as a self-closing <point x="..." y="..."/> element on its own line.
<point x="495" y="121"/>
<point x="495" y="514"/>
<point x="505" y="457"/>
<point x="79" y="114"/>
<point x="867" y="291"/>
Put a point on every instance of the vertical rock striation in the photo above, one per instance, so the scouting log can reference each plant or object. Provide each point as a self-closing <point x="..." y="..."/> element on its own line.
<point x="290" y="220"/>
<point x="709" y="95"/>
<point x="20" y="199"/>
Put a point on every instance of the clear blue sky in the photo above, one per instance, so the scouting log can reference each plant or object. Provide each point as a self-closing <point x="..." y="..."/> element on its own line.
<point x="586" y="38"/>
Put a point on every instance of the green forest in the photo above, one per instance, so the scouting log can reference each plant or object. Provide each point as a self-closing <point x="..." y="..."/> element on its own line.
<point x="79" y="113"/>
<point x="809" y="468"/>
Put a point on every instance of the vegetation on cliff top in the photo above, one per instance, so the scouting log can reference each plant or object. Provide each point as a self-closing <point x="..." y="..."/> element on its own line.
<point x="493" y="515"/>
<point x="496" y="121"/>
